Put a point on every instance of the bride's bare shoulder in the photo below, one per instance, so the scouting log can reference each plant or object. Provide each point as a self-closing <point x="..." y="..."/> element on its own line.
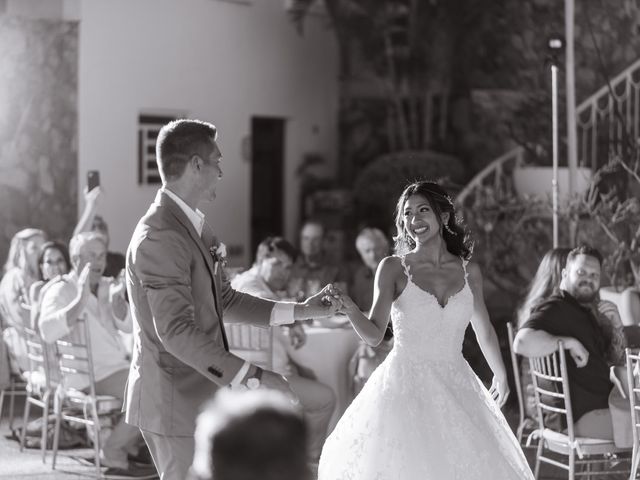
<point x="390" y="268"/>
<point x="392" y="263"/>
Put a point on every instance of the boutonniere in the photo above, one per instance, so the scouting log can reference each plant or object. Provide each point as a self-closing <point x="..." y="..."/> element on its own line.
<point x="219" y="254"/>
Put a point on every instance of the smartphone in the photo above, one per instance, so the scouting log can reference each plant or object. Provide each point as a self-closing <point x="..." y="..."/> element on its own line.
<point x="93" y="179"/>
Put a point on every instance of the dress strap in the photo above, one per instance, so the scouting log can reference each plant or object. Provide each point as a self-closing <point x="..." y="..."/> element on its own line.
<point x="404" y="266"/>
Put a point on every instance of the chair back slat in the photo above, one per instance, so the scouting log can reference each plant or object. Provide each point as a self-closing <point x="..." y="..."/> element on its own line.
<point x="551" y="389"/>
<point x="39" y="356"/>
<point x="633" y="381"/>
<point x="74" y="358"/>
<point x="553" y="409"/>
<point x="254" y="344"/>
<point x="547" y="376"/>
<point x="550" y="393"/>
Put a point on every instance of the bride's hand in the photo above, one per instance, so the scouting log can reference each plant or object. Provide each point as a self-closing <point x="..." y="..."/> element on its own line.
<point x="325" y="303"/>
<point x="346" y="303"/>
<point x="499" y="390"/>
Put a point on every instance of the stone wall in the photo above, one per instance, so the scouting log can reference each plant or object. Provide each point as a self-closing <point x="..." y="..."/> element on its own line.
<point x="38" y="127"/>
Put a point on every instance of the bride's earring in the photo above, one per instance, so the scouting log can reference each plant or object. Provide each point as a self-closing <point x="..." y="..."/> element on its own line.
<point x="448" y="229"/>
<point x="407" y="238"/>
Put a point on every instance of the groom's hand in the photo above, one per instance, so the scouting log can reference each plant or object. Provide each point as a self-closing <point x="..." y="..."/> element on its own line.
<point x="325" y="303"/>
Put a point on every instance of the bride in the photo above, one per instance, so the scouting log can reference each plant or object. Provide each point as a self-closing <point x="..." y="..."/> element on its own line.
<point x="423" y="414"/>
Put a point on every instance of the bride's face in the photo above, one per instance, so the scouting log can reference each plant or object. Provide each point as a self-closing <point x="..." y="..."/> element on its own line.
<point x="420" y="221"/>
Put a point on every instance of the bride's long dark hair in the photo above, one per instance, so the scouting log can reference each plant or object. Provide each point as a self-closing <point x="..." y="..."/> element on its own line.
<point x="453" y="232"/>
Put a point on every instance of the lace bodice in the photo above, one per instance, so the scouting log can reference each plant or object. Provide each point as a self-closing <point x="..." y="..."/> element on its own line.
<point x="423" y="328"/>
<point x="423" y="414"/>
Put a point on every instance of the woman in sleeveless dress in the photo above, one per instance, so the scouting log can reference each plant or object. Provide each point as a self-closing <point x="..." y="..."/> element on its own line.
<point x="424" y="414"/>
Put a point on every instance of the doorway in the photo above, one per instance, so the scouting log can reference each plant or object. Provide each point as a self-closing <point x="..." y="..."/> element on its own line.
<point x="267" y="179"/>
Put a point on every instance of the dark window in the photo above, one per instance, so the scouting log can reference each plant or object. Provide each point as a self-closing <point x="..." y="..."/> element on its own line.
<point x="148" y="127"/>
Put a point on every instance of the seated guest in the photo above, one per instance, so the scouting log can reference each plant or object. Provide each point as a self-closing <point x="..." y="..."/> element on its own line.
<point x="569" y="315"/>
<point x="20" y="272"/>
<point x="545" y="281"/>
<point x="373" y="246"/>
<point x="84" y="292"/>
<point x="53" y="260"/>
<point x="115" y="260"/>
<point x="312" y="271"/>
<point x="268" y="279"/>
<point x="250" y="435"/>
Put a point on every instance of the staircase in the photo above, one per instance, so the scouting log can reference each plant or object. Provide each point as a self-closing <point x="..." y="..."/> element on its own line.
<point x="605" y="122"/>
<point x="607" y="117"/>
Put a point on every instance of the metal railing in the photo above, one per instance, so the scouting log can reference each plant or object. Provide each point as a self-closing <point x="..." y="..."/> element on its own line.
<point x="605" y="121"/>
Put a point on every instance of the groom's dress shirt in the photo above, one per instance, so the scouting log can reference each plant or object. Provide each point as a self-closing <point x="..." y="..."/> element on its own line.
<point x="281" y="314"/>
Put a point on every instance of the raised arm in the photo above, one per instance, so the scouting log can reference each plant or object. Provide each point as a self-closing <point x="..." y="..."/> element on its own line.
<point x="371" y="329"/>
<point x="88" y="214"/>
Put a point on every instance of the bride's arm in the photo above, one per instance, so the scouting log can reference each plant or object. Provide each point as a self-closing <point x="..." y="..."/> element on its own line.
<point x="486" y="335"/>
<point x="371" y="329"/>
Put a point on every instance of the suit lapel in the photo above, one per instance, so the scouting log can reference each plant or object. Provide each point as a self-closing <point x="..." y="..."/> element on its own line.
<point x="209" y="239"/>
<point x="203" y="243"/>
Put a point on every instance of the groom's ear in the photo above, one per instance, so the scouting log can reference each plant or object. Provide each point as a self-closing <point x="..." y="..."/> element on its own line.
<point x="196" y="161"/>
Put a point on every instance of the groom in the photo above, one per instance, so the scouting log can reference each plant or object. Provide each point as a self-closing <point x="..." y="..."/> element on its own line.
<point x="179" y="293"/>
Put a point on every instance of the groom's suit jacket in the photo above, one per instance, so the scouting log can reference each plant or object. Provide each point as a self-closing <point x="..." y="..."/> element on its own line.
<point x="178" y="297"/>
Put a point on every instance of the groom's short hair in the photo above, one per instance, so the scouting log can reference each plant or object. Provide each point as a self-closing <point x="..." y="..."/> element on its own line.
<point x="177" y="142"/>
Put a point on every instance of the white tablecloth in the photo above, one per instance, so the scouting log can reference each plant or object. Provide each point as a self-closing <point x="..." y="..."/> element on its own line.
<point x="327" y="352"/>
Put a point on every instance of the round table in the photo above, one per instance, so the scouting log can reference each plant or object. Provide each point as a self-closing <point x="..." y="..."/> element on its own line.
<point x="327" y="352"/>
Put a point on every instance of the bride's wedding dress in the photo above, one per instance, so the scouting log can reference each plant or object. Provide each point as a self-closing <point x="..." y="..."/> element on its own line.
<point x="423" y="414"/>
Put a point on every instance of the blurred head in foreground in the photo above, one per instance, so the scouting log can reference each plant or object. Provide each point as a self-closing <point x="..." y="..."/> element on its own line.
<point x="251" y="435"/>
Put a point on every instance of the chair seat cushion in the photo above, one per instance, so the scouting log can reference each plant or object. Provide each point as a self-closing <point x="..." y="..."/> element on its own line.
<point x="559" y="442"/>
<point x="104" y="403"/>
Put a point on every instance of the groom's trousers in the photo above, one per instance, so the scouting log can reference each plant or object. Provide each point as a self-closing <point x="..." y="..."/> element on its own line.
<point x="172" y="456"/>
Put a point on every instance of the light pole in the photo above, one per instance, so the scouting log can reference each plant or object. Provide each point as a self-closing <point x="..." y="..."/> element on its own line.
<point x="572" y="148"/>
<point x="555" y="46"/>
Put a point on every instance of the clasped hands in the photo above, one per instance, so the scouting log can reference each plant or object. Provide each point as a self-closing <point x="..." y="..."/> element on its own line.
<point x="329" y="301"/>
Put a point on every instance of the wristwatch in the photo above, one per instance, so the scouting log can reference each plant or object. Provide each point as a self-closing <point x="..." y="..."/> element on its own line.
<point x="254" y="382"/>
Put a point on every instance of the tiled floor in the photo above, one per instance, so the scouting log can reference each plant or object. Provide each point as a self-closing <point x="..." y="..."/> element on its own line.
<point x="28" y="464"/>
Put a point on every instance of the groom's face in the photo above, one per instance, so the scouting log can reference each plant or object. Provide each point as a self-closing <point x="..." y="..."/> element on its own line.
<point x="211" y="171"/>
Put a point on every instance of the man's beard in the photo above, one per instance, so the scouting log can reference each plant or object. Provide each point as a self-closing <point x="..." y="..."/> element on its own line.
<point x="583" y="296"/>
